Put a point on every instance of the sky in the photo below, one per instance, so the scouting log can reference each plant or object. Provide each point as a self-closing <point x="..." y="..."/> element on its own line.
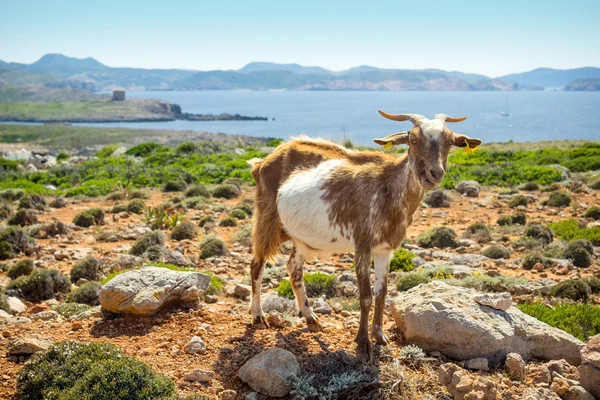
<point x="479" y="36"/>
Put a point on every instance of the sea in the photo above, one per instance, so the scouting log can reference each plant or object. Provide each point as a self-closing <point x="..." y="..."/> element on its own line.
<point x="337" y="115"/>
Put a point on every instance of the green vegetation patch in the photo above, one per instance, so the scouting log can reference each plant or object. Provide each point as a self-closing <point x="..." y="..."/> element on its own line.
<point x="571" y="230"/>
<point x="317" y="284"/>
<point x="580" y="320"/>
<point x="402" y="261"/>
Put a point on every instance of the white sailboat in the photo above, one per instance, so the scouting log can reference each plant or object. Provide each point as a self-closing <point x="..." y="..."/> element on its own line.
<point x="505" y="113"/>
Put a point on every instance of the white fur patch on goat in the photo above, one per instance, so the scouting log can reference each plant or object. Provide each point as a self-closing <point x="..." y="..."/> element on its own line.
<point x="304" y="213"/>
<point x="432" y="127"/>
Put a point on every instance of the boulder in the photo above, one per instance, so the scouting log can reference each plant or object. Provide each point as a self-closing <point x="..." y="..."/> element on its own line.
<point x="145" y="291"/>
<point x="589" y="370"/>
<point x="27" y="345"/>
<point x="468" y="188"/>
<point x="590" y="354"/>
<point x="463" y="385"/>
<point x="15" y="305"/>
<point x="515" y="366"/>
<point x="272" y="302"/>
<point x="271" y="372"/>
<point x="444" y="318"/>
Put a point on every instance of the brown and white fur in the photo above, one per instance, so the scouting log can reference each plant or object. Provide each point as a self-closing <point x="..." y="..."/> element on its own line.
<point x="325" y="198"/>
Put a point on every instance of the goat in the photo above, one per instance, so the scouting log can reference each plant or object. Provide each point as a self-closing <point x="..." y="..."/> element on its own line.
<point x="325" y="198"/>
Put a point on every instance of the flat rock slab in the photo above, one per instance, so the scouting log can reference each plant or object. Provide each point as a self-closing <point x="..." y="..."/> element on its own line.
<point x="448" y="319"/>
<point x="147" y="290"/>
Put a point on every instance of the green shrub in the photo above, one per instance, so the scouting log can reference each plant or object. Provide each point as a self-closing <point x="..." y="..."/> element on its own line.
<point x="22" y="268"/>
<point x="99" y="371"/>
<point x="6" y="251"/>
<point x="532" y="259"/>
<point x="116" y="196"/>
<point x="23" y="217"/>
<point x="530" y="186"/>
<point x="136" y="206"/>
<point x="62" y="156"/>
<point x="580" y="252"/>
<point x="33" y="201"/>
<point x="41" y="284"/>
<point x="216" y="285"/>
<point x="519" y="219"/>
<point x="285" y="289"/>
<point x="138" y="194"/>
<point x="580" y="320"/>
<point x="87" y="268"/>
<point x="496" y="252"/>
<point x="144" y="149"/>
<point x="205" y="220"/>
<point x="212" y="246"/>
<point x="570" y="229"/>
<point x="234" y="181"/>
<point x="237" y="214"/>
<point x="174" y="186"/>
<point x="594" y="284"/>
<point x="573" y="289"/>
<point x="437" y="199"/>
<point x="479" y="232"/>
<point x="197" y="190"/>
<point x="5" y="210"/>
<point x="87" y="218"/>
<point x="274" y="142"/>
<point x="539" y="231"/>
<point x="244" y="235"/>
<point x="595" y="185"/>
<point x="440" y="237"/>
<point x="409" y="281"/>
<point x="14" y="240"/>
<point x="107" y="151"/>
<point x="118" y="208"/>
<point x="11" y="194"/>
<point x="87" y="293"/>
<point x="195" y="203"/>
<point x="559" y="199"/>
<point x="225" y="191"/>
<point x="319" y="284"/>
<point x="58" y="202"/>
<point x="245" y="206"/>
<point x="4" y="303"/>
<point x="402" y="261"/>
<point x="504" y="220"/>
<point x="518" y="200"/>
<point x="69" y="310"/>
<point x="228" y="222"/>
<point x="141" y="245"/>
<point x="185" y="230"/>
<point x="593" y="213"/>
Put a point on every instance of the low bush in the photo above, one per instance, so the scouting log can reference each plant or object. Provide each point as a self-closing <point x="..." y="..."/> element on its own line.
<point x="518" y="200"/>
<point x="571" y="229"/>
<point x="195" y="203"/>
<point x="5" y="210"/>
<point x="580" y="251"/>
<point x="162" y="217"/>
<point x="595" y="184"/>
<point x="185" y="230"/>
<point x="496" y="252"/>
<point x="11" y="194"/>
<point x="14" y="240"/>
<point x="319" y="284"/>
<point x="58" y="202"/>
<point x="144" y="149"/>
<point x="54" y="229"/>
<point x="530" y="186"/>
<point x="534" y="258"/>
<point x="540" y="232"/>
<point x="22" y="268"/>
<point x="69" y="310"/>
<point x="245" y="206"/>
<point x="409" y="281"/>
<point x="519" y="219"/>
<point x="478" y="232"/>
<point x="4" y="306"/>
<point x="580" y="320"/>
<point x="107" y="151"/>
<point x="87" y="293"/>
<point x="228" y="222"/>
<point x="41" y="284"/>
<point x="174" y="186"/>
<point x="197" y="190"/>
<point x="437" y="199"/>
<point x="87" y="218"/>
<point x="573" y="289"/>
<point x="206" y="219"/>
<point x="243" y="236"/>
<point x="116" y="196"/>
<point x="285" y="289"/>
<point x="139" y="194"/>
<point x="559" y="199"/>
<point x="237" y="214"/>
<point x="141" y="245"/>
<point x="402" y="261"/>
<point x="593" y="212"/>
<point x="486" y="283"/>
<point x="99" y="371"/>
<point x="32" y="201"/>
<point x="216" y="285"/>
<point x="23" y="217"/>
<point x="87" y="268"/>
<point x="440" y="237"/>
<point x="212" y="246"/>
<point x="504" y="220"/>
<point x="136" y="206"/>
<point x="226" y="191"/>
<point x="118" y="208"/>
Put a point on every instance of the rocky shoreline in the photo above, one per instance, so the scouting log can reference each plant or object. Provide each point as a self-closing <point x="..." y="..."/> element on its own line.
<point x="175" y="117"/>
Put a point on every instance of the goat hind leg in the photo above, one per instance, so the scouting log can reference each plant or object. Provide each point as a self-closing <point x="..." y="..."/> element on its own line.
<point x="257" y="267"/>
<point x="364" y="347"/>
<point x="382" y="265"/>
<point x="295" y="270"/>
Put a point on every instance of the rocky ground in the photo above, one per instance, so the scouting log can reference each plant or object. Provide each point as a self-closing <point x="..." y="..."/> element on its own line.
<point x="202" y="346"/>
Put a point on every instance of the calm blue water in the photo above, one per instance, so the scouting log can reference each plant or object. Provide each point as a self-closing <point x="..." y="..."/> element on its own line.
<point x="533" y="115"/>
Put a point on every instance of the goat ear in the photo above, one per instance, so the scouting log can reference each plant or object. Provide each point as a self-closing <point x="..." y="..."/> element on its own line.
<point x="393" y="139"/>
<point x="462" y="141"/>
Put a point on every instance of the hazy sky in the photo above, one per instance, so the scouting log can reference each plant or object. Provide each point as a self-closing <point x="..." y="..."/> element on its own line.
<point x="482" y="36"/>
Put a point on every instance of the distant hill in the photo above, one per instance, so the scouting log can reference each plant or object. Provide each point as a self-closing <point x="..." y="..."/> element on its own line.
<point x="584" y="85"/>
<point x="548" y="77"/>
<point x="59" y="71"/>
<point x="41" y="93"/>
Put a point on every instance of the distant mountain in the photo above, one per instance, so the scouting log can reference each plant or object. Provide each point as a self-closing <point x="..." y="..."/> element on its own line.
<point x="59" y="71"/>
<point x="548" y="77"/>
<point x="583" y="85"/>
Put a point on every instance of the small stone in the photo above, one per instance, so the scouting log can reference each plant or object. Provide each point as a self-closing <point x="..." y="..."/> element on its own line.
<point x="76" y="325"/>
<point x="242" y="291"/>
<point x="477" y="364"/>
<point x="198" y="375"/>
<point x="47" y="315"/>
<point x="271" y="372"/>
<point x="210" y="299"/>
<point x="228" y="394"/>
<point x="195" y="346"/>
<point x="275" y="319"/>
<point x="515" y="366"/>
<point x="251" y="396"/>
<point x="540" y="374"/>
<point x="4" y="315"/>
<point x="26" y="345"/>
<point x="498" y="301"/>
<point x="15" y="305"/>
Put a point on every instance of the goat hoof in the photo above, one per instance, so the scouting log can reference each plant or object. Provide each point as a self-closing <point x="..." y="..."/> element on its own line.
<point x="314" y="326"/>
<point x="364" y="351"/>
<point x="260" y="322"/>
<point x="381" y="338"/>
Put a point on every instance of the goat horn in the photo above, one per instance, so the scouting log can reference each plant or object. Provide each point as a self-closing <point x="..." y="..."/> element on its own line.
<point x="448" y="118"/>
<point x="414" y="118"/>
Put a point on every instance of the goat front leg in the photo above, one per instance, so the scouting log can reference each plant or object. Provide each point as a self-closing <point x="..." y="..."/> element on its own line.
<point x="382" y="265"/>
<point x="364" y="348"/>
<point x="295" y="270"/>
<point x="257" y="267"/>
